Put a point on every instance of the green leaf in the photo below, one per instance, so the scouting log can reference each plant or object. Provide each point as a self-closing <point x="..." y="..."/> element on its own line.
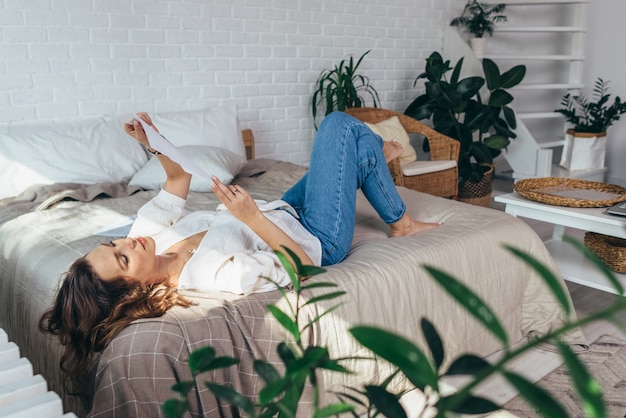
<point x="435" y="344"/>
<point x="586" y="385"/>
<point x="386" y="403"/>
<point x="467" y="364"/>
<point x="295" y="280"/>
<point x="500" y="98"/>
<point x="509" y="116"/>
<point x="471" y="302"/>
<point x="469" y="87"/>
<point x="267" y="372"/>
<point x="174" y="408"/>
<point x="231" y="396"/>
<point x="284" y="320"/>
<point x="309" y="271"/>
<point x="492" y="74"/>
<point x="333" y="409"/>
<point x="497" y="142"/>
<point x="312" y="356"/>
<point x="313" y="285"/>
<point x="326" y="296"/>
<point x="470" y="405"/>
<point x="285" y="353"/>
<point x="512" y="77"/>
<point x="272" y="390"/>
<point x="421" y="108"/>
<point x="548" y="277"/>
<point x="292" y="395"/>
<point x="537" y="397"/>
<point x="200" y="359"/>
<point x="183" y="387"/>
<point x="400" y="352"/>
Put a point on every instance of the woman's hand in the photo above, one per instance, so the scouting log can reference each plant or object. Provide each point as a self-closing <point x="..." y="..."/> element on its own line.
<point x="135" y="129"/>
<point x="243" y="207"/>
<point x="238" y="201"/>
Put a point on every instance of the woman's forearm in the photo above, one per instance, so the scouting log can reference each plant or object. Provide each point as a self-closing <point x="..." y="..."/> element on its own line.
<point x="276" y="238"/>
<point x="178" y="180"/>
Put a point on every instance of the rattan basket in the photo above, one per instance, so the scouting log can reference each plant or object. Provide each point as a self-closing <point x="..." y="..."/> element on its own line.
<point x="611" y="250"/>
<point x="530" y="189"/>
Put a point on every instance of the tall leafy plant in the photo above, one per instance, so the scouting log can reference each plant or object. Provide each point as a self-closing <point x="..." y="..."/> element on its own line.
<point x="342" y="87"/>
<point x="282" y="391"/>
<point x="484" y="127"/>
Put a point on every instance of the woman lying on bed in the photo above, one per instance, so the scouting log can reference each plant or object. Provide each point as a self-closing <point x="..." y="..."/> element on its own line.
<point x="231" y="249"/>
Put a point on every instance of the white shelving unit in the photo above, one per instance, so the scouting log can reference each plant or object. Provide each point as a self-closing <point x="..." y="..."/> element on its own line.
<point x="549" y="38"/>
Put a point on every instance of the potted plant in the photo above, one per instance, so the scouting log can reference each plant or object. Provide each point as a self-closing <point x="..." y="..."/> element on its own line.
<point x="456" y="109"/>
<point x="480" y="19"/>
<point x="341" y="88"/>
<point x="585" y="141"/>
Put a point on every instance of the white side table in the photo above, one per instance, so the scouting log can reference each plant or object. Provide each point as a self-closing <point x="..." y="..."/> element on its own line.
<point x="571" y="263"/>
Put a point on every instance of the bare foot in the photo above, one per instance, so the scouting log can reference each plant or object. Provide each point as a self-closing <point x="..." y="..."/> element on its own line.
<point x="407" y="226"/>
<point x="392" y="150"/>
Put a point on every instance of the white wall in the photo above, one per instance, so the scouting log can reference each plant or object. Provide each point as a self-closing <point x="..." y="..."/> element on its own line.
<point x="606" y="58"/>
<point x="79" y="58"/>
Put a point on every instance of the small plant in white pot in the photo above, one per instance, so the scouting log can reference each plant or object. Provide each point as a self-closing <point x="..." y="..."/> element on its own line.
<point x="479" y="19"/>
<point x="585" y="141"/>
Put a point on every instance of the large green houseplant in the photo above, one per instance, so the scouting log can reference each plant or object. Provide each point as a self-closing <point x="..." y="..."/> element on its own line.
<point x="589" y="118"/>
<point x="456" y="108"/>
<point x="342" y="87"/>
<point x="424" y="369"/>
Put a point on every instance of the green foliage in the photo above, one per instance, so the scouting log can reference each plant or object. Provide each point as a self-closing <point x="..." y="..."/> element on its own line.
<point x="424" y="369"/>
<point x="341" y="88"/>
<point x="456" y="108"/>
<point x="282" y="391"/>
<point x="595" y="115"/>
<point x="480" y="18"/>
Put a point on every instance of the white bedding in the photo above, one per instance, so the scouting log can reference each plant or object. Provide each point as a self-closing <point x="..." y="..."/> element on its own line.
<point x="384" y="279"/>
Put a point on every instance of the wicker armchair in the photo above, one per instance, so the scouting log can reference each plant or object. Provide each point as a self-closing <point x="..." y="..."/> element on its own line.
<point x="439" y="183"/>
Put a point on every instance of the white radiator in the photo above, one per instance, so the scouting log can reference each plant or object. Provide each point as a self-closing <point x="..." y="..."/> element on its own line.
<point x="23" y="395"/>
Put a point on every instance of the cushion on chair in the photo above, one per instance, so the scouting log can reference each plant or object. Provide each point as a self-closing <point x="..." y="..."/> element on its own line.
<point x="391" y="129"/>
<point x="423" y="167"/>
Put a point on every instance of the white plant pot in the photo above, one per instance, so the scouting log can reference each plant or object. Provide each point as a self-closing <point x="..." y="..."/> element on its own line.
<point x="478" y="45"/>
<point x="583" y="151"/>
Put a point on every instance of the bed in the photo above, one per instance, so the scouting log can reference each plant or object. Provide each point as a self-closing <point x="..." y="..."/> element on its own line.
<point x="46" y="226"/>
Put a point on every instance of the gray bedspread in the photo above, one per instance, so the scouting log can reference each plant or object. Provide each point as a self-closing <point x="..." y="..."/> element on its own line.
<point x="44" y="230"/>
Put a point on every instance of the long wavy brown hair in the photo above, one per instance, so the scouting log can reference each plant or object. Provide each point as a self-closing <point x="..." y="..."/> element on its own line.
<point x="88" y="312"/>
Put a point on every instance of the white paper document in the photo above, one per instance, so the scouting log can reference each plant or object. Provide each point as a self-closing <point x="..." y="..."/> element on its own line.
<point x="161" y="144"/>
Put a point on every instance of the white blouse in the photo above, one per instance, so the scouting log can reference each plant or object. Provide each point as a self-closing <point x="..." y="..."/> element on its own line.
<point x="230" y="257"/>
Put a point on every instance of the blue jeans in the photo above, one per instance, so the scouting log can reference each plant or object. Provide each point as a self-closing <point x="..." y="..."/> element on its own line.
<point x="346" y="156"/>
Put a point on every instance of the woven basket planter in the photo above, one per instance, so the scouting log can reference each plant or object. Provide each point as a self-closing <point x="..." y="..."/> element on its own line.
<point x="611" y="250"/>
<point x="477" y="193"/>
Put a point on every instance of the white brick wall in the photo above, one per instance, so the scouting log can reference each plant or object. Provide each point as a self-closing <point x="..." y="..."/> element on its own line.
<point x="78" y="58"/>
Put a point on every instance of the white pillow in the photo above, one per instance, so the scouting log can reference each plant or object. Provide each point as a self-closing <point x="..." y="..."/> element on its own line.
<point x="85" y="151"/>
<point x="215" y="161"/>
<point x="216" y="127"/>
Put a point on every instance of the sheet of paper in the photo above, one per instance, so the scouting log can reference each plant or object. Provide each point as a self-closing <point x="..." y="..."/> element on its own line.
<point x="161" y="144"/>
<point x="120" y="228"/>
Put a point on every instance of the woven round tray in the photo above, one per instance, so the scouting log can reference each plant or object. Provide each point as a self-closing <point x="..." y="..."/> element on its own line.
<point x="529" y="189"/>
